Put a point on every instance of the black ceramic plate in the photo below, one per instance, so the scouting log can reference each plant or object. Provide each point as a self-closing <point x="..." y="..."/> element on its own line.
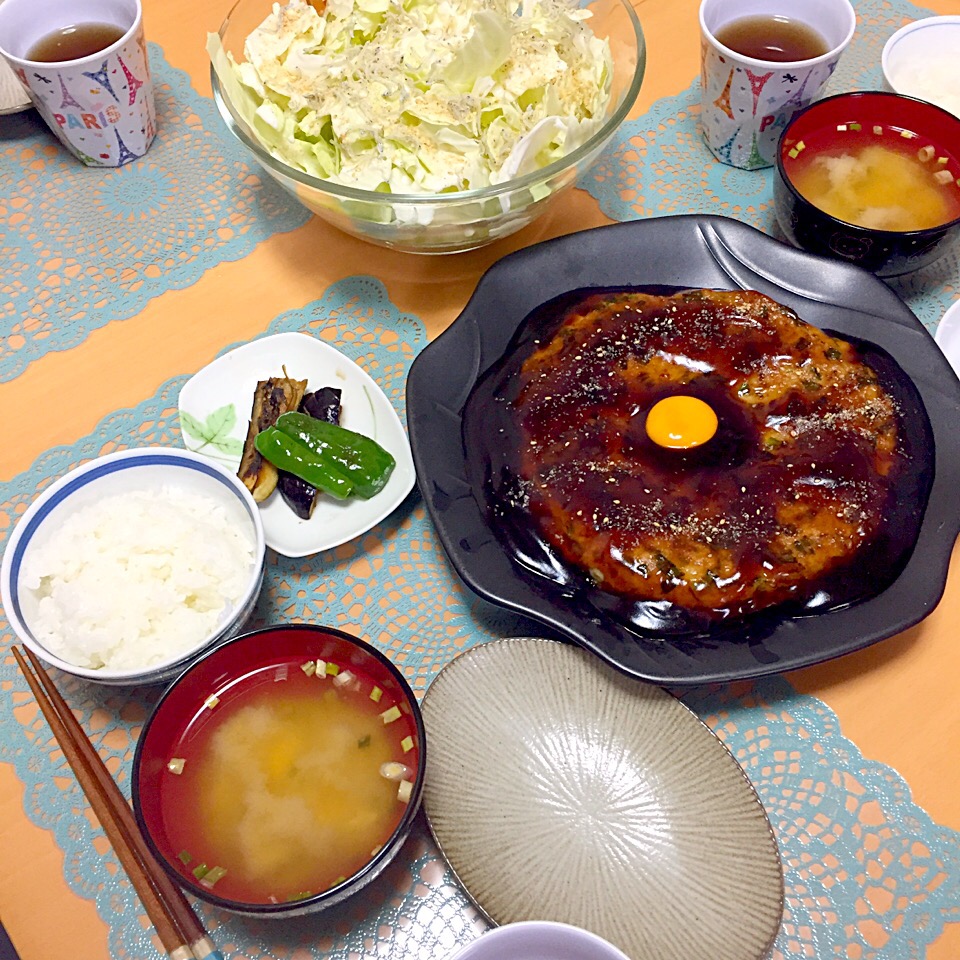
<point x="685" y="251"/>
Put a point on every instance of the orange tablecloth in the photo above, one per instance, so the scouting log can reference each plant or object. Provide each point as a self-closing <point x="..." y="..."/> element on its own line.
<point x="896" y="700"/>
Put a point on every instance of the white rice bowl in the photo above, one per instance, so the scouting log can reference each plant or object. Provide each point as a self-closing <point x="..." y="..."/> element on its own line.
<point x="127" y="568"/>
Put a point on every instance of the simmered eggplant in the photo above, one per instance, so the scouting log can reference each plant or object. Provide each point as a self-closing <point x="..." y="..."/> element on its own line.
<point x="323" y="404"/>
<point x="297" y="494"/>
<point x="300" y="496"/>
<point x="271" y="398"/>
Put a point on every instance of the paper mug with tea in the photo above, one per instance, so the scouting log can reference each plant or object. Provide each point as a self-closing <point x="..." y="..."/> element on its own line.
<point x="761" y="64"/>
<point x="84" y="65"/>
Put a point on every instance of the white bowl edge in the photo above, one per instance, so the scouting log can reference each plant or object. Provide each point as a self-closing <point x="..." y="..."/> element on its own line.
<point x="231" y="622"/>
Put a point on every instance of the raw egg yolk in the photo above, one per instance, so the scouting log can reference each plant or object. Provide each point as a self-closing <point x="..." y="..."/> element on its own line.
<point x="681" y="423"/>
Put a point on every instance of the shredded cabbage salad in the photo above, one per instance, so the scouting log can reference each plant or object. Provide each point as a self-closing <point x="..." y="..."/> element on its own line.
<point x="420" y="96"/>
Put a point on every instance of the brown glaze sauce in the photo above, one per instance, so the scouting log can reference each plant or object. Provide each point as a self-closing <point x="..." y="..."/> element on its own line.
<point x="825" y="461"/>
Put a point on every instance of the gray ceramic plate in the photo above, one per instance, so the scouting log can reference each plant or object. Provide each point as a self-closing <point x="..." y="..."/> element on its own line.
<point x="559" y="789"/>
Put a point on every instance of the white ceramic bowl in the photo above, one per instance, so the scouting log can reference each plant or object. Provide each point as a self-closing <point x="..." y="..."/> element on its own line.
<point x="948" y="336"/>
<point x="147" y="468"/>
<point x="539" y="940"/>
<point x="930" y="44"/>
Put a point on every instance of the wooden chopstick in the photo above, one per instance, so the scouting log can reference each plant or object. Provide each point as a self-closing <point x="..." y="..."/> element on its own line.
<point x="177" y="926"/>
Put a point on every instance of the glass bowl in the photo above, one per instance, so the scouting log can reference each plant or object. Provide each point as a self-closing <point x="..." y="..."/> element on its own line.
<point x="445" y="222"/>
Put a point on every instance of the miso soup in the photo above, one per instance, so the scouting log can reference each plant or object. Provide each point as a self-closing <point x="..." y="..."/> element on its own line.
<point x="876" y="177"/>
<point x="288" y="786"/>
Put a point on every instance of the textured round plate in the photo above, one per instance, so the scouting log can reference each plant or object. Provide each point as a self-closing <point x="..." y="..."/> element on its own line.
<point x="12" y="97"/>
<point x="215" y="406"/>
<point x="559" y="789"/>
<point x="681" y="251"/>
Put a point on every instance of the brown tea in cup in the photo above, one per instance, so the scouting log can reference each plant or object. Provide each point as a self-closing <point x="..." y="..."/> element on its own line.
<point x="772" y="38"/>
<point x="74" y="42"/>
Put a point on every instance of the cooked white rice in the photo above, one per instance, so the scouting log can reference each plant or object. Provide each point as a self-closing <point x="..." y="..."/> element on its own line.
<point x="934" y="79"/>
<point x="137" y="578"/>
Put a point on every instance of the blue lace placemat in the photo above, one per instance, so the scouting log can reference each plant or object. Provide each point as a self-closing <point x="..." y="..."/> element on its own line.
<point x="868" y="873"/>
<point x="82" y="246"/>
<point x="659" y="164"/>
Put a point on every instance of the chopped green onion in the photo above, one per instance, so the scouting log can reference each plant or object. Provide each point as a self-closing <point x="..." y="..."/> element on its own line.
<point x="376" y="849"/>
<point x="407" y="744"/>
<point x="176" y="765"/>
<point x="943" y="176"/>
<point x="333" y="669"/>
<point x="302" y="895"/>
<point x="309" y="668"/>
<point x="925" y="154"/>
<point x="392" y="770"/>
<point x="342" y="679"/>
<point x="878" y="130"/>
<point x="388" y="716"/>
<point x="375" y="694"/>
<point x="404" y="791"/>
<point x="211" y="701"/>
<point x="856" y="127"/>
<point x="321" y="669"/>
<point x="364" y="741"/>
<point x="212" y="876"/>
<point x="200" y="870"/>
<point x="184" y="857"/>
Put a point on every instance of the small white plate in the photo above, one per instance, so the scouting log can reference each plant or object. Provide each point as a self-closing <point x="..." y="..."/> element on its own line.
<point x="215" y="406"/>
<point x="948" y="336"/>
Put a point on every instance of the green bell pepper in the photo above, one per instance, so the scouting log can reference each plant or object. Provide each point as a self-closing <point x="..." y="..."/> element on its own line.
<point x="285" y="453"/>
<point x="354" y="456"/>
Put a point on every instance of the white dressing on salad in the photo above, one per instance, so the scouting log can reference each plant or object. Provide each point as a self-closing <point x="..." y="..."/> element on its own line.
<point x="420" y="96"/>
